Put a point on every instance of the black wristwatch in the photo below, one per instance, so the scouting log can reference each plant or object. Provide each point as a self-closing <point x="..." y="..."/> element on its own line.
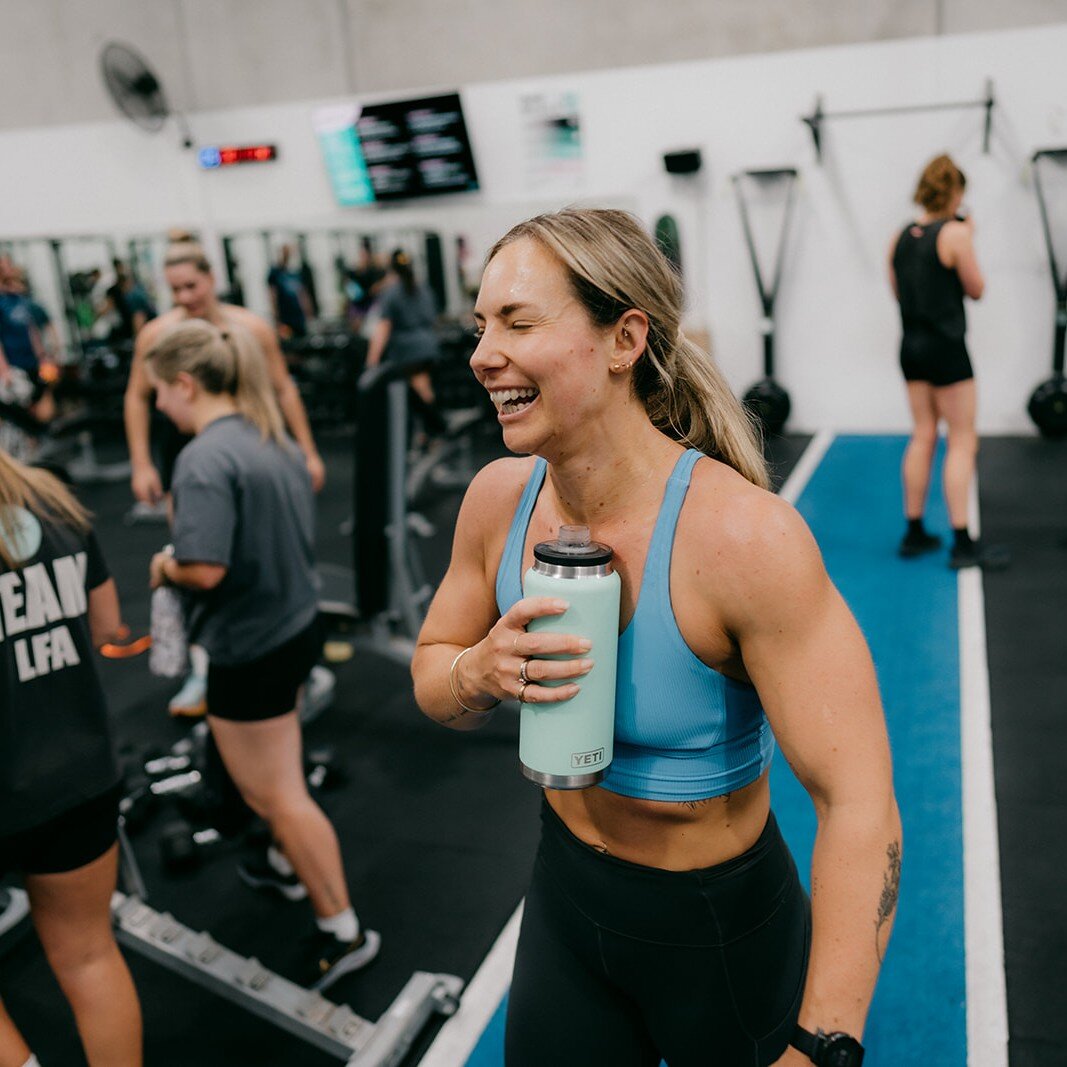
<point x="828" y="1050"/>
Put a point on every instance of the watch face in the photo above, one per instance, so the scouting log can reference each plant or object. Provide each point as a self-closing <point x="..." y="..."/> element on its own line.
<point x="842" y="1051"/>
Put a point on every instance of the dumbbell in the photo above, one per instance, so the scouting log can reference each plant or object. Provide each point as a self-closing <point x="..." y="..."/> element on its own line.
<point x="183" y="849"/>
<point x="323" y="768"/>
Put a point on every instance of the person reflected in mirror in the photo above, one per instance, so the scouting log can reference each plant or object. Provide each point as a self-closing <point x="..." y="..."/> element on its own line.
<point x="406" y="331"/>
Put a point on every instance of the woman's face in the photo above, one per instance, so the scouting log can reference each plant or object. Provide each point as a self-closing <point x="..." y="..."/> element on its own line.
<point x="544" y="363"/>
<point x="192" y="289"/>
<point x="174" y="399"/>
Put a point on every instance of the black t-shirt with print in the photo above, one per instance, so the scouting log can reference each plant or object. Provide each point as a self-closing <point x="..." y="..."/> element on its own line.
<point x="55" y="743"/>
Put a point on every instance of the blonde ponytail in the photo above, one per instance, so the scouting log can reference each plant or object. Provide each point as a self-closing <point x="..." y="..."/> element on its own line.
<point x="694" y="405"/>
<point x="254" y="393"/>
<point x="222" y="362"/>
<point x="614" y="266"/>
<point x="39" y="492"/>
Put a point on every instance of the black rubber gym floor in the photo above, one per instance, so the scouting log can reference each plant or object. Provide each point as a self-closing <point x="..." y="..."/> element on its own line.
<point x="1024" y="506"/>
<point x="438" y="829"/>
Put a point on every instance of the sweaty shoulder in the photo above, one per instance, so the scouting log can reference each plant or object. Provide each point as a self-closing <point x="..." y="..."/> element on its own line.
<point x="953" y="237"/>
<point x="744" y="541"/>
<point x="495" y="490"/>
<point x="249" y="320"/>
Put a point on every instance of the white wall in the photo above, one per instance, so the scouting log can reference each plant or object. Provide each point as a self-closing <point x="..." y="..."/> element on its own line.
<point x="837" y="324"/>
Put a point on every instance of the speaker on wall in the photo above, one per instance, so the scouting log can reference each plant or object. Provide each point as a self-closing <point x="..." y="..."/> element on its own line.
<point x="685" y="162"/>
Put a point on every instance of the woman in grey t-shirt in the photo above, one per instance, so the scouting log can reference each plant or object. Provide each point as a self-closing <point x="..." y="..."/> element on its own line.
<point x="243" y="547"/>
<point x="406" y="332"/>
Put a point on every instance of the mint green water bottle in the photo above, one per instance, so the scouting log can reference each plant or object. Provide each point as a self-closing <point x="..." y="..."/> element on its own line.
<point x="568" y="745"/>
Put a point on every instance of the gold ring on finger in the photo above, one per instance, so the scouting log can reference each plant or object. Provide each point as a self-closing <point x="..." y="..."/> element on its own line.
<point x="524" y="678"/>
<point x="522" y="692"/>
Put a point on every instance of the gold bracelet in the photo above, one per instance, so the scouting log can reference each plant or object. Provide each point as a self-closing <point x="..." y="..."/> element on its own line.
<point x="455" y="695"/>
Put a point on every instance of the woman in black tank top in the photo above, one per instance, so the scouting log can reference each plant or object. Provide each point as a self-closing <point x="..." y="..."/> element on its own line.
<point x="932" y="267"/>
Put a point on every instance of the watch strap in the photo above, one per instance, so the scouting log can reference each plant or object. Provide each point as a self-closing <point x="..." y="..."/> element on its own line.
<point x="805" y="1041"/>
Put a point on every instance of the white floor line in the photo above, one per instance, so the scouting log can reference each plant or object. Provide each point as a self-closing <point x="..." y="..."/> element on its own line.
<point x="455" y="1042"/>
<point x="987" y="1009"/>
<point x="805" y="468"/>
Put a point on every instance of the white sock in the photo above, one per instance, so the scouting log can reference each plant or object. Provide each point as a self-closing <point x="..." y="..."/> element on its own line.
<point x="198" y="660"/>
<point x="344" y="925"/>
<point x="277" y="859"/>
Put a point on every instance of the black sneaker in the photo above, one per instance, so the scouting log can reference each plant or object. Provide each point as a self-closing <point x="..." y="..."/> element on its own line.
<point x="259" y="874"/>
<point x="335" y="958"/>
<point x="917" y="545"/>
<point x="976" y="554"/>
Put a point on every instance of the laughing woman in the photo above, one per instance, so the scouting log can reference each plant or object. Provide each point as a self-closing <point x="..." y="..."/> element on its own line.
<point x="665" y="919"/>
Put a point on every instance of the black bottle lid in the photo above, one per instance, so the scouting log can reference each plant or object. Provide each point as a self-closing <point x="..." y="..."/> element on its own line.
<point x="573" y="549"/>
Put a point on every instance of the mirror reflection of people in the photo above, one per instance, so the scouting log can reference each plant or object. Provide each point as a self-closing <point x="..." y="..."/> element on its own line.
<point x="406" y="331"/>
<point x="932" y="267"/>
<point x="129" y="304"/>
<point x="665" y="917"/>
<point x="21" y="345"/>
<point x="54" y="352"/>
<point x="363" y="283"/>
<point x="59" y="780"/>
<point x="289" y="298"/>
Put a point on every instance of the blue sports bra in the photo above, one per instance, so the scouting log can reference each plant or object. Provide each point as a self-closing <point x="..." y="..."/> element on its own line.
<point x="683" y="731"/>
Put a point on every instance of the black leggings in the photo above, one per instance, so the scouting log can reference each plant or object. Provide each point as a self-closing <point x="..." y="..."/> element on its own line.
<point x="620" y="965"/>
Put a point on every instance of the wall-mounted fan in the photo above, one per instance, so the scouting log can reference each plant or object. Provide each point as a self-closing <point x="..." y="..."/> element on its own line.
<point x="136" y="90"/>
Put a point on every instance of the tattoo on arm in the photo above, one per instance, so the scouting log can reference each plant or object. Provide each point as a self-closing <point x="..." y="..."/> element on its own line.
<point x="887" y="905"/>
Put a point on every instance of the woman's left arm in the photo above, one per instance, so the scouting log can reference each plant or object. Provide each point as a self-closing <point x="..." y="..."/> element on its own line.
<point x="810" y="664"/>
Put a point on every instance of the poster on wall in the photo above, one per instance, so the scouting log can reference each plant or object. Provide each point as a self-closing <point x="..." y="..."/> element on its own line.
<point x="552" y="138"/>
<point x="342" y="154"/>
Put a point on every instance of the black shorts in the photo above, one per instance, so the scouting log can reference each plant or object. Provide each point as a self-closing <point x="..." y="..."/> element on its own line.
<point x="930" y="357"/>
<point x="66" y="842"/>
<point x="264" y="688"/>
<point x="620" y="965"/>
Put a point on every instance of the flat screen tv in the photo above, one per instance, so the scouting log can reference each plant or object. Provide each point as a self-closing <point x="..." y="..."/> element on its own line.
<point x="417" y="148"/>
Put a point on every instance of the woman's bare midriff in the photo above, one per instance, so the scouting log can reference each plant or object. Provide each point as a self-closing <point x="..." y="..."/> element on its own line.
<point x="673" y="836"/>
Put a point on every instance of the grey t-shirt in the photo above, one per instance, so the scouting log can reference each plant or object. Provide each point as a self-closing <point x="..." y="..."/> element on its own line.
<point x="412" y="316"/>
<point x="247" y="504"/>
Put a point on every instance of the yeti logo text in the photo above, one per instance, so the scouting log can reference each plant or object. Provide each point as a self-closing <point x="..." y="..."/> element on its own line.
<point x="587" y="759"/>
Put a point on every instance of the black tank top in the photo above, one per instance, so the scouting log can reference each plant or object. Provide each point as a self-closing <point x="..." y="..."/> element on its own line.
<point x="930" y="294"/>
